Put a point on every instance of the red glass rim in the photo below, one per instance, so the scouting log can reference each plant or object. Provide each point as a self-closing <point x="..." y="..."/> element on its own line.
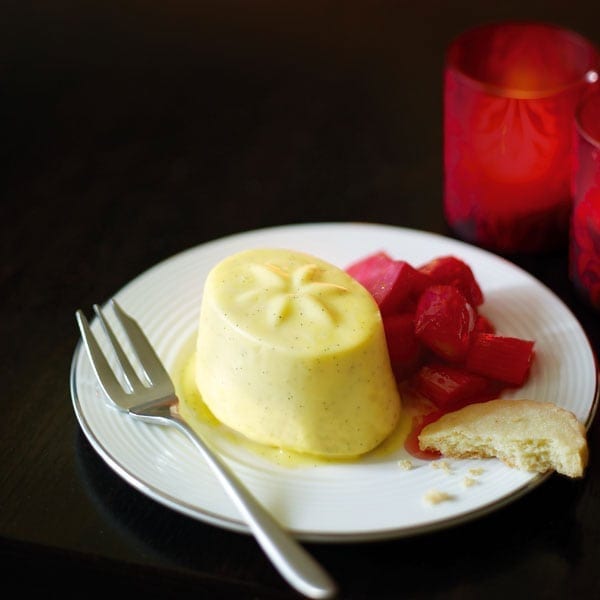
<point x="587" y="117"/>
<point x="478" y="42"/>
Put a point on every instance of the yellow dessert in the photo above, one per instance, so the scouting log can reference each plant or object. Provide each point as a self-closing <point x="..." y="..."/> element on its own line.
<point x="291" y="352"/>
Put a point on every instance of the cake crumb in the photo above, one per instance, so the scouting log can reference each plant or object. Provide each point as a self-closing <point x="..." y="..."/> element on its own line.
<point x="405" y="465"/>
<point x="442" y="465"/>
<point x="469" y="482"/>
<point x="436" y="496"/>
<point x="476" y="472"/>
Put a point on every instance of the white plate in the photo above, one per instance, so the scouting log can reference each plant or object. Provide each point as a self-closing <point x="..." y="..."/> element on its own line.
<point x="370" y="499"/>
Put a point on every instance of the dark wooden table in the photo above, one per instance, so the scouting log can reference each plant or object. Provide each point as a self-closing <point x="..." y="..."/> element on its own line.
<point x="134" y="130"/>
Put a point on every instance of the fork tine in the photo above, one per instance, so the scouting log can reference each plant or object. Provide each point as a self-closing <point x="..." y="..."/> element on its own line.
<point x="128" y="371"/>
<point x="149" y="360"/>
<point x="110" y="384"/>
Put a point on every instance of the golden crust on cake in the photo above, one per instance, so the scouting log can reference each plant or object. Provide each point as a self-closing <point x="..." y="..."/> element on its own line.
<point x="524" y="434"/>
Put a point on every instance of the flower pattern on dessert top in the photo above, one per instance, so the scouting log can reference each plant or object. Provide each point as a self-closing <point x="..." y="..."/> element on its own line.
<point x="299" y="292"/>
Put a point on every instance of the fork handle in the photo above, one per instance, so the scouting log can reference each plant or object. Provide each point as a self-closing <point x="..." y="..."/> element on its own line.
<point x="290" y="558"/>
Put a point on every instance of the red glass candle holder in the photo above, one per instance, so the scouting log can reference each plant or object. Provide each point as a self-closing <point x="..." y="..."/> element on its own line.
<point x="510" y="94"/>
<point x="584" y="263"/>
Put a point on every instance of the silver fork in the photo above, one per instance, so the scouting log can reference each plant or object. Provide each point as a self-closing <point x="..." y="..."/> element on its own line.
<point x="154" y="401"/>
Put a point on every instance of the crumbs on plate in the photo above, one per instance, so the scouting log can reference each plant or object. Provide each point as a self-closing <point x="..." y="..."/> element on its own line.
<point x="434" y="496"/>
<point x="472" y="478"/>
<point x="442" y="465"/>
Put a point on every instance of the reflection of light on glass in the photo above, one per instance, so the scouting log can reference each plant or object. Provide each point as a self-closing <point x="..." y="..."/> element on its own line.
<point x="524" y="77"/>
<point x="591" y="76"/>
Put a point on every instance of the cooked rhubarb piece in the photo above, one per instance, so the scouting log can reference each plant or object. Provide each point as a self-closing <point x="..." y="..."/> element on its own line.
<point x="444" y="320"/>
<point x="449" y="270"/>
<point x="502" y="358"/>
<point x="419" y="422"/>
<point x="445" y="385"/>
<point x="392" y="283"/>
<point x="484" y="325"/>
<point x="404" y="348"/>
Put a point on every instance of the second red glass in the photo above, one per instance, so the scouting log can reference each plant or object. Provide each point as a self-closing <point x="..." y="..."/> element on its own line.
<point x="510" y="95"/>
<point x="584" y="264"/>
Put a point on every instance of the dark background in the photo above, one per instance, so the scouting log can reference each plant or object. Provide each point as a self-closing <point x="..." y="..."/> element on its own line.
<point x="134" y="130"/>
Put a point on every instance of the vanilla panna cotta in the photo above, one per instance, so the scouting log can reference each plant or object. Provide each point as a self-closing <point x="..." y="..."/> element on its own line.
<point x="291" y="352"/>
